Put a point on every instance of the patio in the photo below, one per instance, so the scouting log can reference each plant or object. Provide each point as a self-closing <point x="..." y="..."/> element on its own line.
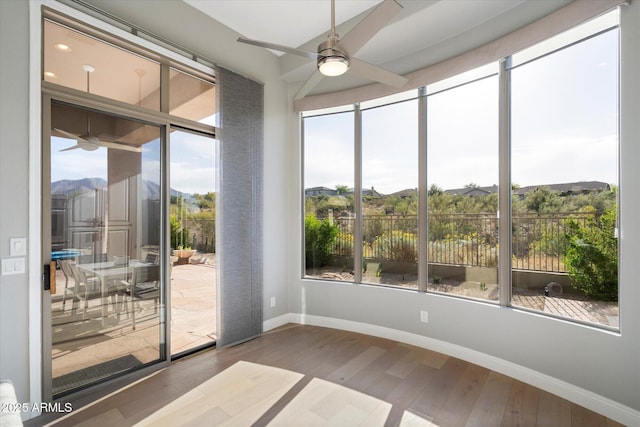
<point x="79" y="344"/>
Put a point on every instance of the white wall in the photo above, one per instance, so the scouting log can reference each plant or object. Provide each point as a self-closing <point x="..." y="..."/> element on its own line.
<point x="588" y="365"/>
<point x="14" y="186"/>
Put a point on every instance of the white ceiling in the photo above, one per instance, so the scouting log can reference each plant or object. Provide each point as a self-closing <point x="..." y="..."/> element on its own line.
<point x="424" y="32"/>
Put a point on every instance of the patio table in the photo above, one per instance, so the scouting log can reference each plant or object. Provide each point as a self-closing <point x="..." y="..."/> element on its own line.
<point x="106" y="272"/>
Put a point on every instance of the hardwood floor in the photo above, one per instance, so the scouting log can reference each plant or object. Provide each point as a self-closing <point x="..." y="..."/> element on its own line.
<point x="424" y="388"/>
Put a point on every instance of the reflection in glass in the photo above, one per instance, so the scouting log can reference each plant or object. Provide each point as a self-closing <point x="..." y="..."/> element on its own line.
<point x="564" y="170"/>
<point x="105" y="198"/>
<point x="192" y="217"/>
<point x="191" y="98"/>
<point x="462" y="176"/>
<point x="390" y="194"/>
<point x="328" y="195"/>
<point x="78" y="61"/>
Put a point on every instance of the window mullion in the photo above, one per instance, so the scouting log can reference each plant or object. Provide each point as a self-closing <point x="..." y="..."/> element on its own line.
<point x="504" y="188"/>
<point x="423" y="224"/>
<point x="357" y="196"/>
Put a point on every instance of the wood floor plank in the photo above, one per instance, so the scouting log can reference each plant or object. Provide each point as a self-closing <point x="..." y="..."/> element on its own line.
<point x="522" y="408"/>
<point x="239" y="395"/>
<point x="437" y="388"/>
<point x="406" y="364"/>
<point x="582" y="417"/>
<point x="423" y="388"/>
<point x="553" y="411"/>
<point x="463" y="397"/>
<point x="355" y="365"/>
<point x="326" y="403"/>
<point x="406" y="392"/>
<point x="110" y="418"/>
<point x="492" y="401"/>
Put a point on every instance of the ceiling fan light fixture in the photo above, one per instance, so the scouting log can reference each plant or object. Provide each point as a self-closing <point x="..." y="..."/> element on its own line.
<point x="333" y="66"/>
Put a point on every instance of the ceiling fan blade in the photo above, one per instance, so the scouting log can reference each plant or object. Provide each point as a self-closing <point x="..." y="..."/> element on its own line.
<point x="120" y="146"/>
<point x="71" y="148"/>
<point x="68" y="134"/>
<point x="281" y="48"/>
<point x="309" y="84"/>
<point x="369" y="26"/>
<point x="373" y="72"/>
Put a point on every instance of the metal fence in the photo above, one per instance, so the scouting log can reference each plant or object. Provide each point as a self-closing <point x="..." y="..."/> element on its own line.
<point x="538" y="240"/>
<point x="202" y="234"/>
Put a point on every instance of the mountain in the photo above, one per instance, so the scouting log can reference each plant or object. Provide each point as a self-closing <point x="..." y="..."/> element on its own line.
<point x="69" y="186"/>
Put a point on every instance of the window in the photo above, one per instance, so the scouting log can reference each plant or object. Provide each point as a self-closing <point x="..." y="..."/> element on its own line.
<point x="390" y="194"/>
<point x="558" y="183"/>
<point x="462" y="177"/>
<point x="328" y="196"/>
<point x="564" y="145"/>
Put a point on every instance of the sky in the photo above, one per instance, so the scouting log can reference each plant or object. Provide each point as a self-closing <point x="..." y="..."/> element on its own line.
<point x="563" y="129"/>
<point x="192" y="167"/>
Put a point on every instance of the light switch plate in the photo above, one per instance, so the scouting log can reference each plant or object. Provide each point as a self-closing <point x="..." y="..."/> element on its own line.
<point x="13" y="266"/>
<point x="18" y="246"/>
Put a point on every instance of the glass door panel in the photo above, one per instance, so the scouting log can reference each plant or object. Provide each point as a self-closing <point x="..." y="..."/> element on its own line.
<point x="107" y="313"/>
<point x="192" y="215"/>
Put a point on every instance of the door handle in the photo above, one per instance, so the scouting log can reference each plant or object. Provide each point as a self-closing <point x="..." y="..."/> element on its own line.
<point x="46" y="277"/>
<point x="49" y="278"/>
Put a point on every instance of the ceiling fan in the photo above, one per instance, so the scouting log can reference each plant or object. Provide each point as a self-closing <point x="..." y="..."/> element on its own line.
<point x="89" y="142"/>
<point x="335" y="56"/>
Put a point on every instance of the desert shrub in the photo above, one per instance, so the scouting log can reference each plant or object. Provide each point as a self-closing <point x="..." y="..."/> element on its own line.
<point x="592" y="256"/>
<point x="319" y="238"/>
<point x="551" y="239"/>
<point x="396" y="245"/>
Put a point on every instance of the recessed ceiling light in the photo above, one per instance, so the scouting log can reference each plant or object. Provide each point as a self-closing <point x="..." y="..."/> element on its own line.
<point x="63" y="47"/>
<point x="50" y="74"/>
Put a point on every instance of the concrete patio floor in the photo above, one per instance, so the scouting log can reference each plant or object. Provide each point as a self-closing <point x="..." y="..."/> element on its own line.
<point x="79" y="343"/>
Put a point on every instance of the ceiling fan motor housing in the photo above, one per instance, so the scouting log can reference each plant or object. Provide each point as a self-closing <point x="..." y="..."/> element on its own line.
<point x="328" y="53"/>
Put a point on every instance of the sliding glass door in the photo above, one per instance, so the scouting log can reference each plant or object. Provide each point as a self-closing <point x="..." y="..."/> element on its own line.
<point x="192" y="217"/>
<point x="105" y="191"/>
<point x="129" y="196"/>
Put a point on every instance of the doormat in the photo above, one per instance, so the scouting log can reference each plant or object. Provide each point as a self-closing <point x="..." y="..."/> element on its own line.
<point x="94" y="373"/>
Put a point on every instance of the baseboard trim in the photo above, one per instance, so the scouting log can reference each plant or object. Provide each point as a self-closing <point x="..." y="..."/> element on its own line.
<point x="602" y="405"/>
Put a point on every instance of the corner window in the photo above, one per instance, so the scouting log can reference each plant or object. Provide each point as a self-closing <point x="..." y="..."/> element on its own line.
<point x="555" y="169"/>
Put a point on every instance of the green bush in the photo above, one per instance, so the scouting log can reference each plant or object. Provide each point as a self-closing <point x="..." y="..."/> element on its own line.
<point x="397" y="245"/>
<point x="179" y="234"/>
<point x="319" y="237"/>
<point x="592" y="256"/>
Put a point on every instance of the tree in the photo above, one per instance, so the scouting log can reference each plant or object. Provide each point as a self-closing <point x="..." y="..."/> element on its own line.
<point x="542" y="199"/>
<point x="342" y="189"/>
<point x="434" y="190"/>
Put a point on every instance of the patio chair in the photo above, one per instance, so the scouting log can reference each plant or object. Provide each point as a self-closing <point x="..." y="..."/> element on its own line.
<point x="143" y="285"/>
<point x="151" y="258"/>
<point x="82" y="289"/>
<point x="63" y="264"/>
